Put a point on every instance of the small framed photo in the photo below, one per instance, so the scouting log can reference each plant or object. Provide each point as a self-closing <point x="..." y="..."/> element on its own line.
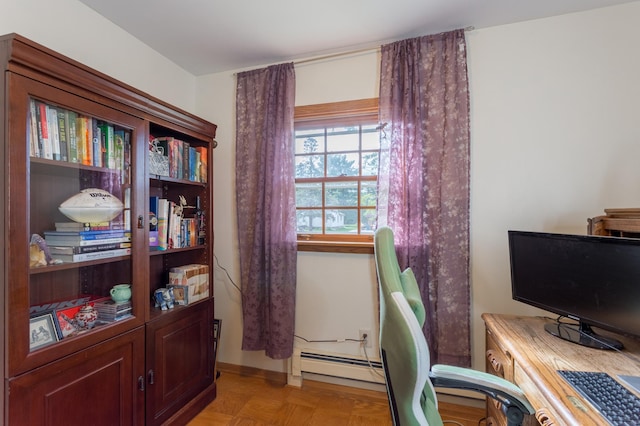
<point x="42" y="331"/>
<point x="65" y="322"/>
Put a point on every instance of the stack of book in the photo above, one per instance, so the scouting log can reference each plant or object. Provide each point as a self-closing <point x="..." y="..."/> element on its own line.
<point x="110" y="311"/>
<point x="87" y="242"/>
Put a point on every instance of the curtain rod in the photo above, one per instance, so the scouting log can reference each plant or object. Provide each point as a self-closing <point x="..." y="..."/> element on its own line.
<point x="351" y="52"/>
<point x="337" y="55"/>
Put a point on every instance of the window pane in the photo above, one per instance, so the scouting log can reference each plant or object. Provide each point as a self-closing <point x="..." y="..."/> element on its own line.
<point x="370" y="137"/>
<point x="343" y="164"/>
<point x="336" y="157"/>
<point x="308" y="166"/>
<point x="309" y="143"/>
<point x="308" y="194"/>
<point x="341" y="194"/>
<point x="370" y="162"/>
<point x="368" y="221"/>
<point x="343" y="139"/>
<point x="341" y="221"/>
<point x="368" y="194"/>
<point x="309" y="221"/>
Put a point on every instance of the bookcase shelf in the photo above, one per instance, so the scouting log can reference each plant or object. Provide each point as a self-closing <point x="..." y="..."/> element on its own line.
<point x="129" y="360"/>
<point x="75" y="265"/>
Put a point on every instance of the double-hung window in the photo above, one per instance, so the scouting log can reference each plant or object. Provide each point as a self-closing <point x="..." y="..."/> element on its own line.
<point x="337" y="150"/>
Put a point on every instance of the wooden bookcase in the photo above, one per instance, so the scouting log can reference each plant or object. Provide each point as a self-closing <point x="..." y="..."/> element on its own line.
<point x="153" y="367"/>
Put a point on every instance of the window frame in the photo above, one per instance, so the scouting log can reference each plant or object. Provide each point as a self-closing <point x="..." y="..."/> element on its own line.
<point x="336" y="114"/>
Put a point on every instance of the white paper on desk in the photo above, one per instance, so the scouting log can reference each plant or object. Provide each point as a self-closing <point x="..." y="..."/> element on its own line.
<point x="633" y="381"/>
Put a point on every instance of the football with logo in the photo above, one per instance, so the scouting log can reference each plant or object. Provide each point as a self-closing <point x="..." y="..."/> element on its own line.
<point x="92" y="205"/>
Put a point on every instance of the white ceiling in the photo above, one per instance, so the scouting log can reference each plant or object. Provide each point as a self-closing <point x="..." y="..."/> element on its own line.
<point x="208" y="36"/>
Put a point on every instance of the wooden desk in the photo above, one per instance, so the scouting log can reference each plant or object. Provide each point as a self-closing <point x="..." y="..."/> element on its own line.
<point x="519" y="350"/>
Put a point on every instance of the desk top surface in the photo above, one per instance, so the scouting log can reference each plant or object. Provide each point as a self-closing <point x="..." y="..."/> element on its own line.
<point x="537" y="355"/>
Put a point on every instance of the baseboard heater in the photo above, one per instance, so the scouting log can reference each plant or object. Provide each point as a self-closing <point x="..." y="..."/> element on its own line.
<point x="306" y="360"/>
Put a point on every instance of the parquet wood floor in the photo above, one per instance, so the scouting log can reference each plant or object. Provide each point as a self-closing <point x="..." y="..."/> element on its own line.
<point x="249" y="400"/>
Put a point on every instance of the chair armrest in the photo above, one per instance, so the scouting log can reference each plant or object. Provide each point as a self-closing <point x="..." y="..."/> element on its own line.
<point x="509" y="395"/>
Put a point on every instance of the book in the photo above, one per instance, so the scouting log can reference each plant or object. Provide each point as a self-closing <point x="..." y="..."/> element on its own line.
<point x="72" y="144"/>
<point x="114" y="225"/>
<point x="87" y="249"/>
<point x="52" y="124"/>
<point x="126" y="161"/>
<point x="34" y="143"/>
<point x="192" y="164"/>
<point x="62" y="134"/>
<point x="196" y="167"/>
<point x="86" y="226"/>
<point x="43" y="131"/>
<point x="118" y="148"/>
<point x="109" y="146"/>
<point x="84" y="153"/>
<point x="185" y="160"/>
<point x="204" y="162"/>
<point x="173" y="227"/>
<point x="89" y="235"/>
<point x="72" y="240"/>
<point x="153" y="213"/>
<point x="163" y="222"/>
<point x="96" y="142"/>
<point x="105" y="254"/>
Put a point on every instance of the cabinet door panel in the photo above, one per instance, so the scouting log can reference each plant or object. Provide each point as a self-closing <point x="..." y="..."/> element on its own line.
<point x="36" y="188"/>
<point x="179" y="359"/>
<point x="97" y="386"/>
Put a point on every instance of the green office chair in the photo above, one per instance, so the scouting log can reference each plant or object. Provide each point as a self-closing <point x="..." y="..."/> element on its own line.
<point x="410" y="379"/>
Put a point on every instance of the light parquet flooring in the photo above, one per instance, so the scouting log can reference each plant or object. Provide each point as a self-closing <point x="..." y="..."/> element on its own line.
<point x="255" y="401"/>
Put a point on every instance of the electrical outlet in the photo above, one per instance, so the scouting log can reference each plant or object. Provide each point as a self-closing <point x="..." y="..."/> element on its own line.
<point x="366" y="331"/>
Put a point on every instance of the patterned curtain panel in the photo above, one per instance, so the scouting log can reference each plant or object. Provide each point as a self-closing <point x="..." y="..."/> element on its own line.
<point x="266" y="208"/>
<point x="424" y="179"/>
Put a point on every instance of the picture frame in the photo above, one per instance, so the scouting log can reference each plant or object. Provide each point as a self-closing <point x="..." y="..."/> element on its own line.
<point x="64" y="321"/>
<point x="42" y="331"/>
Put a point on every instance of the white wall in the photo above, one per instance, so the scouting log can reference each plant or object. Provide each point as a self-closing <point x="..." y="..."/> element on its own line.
<point x="73" y="29"/>
<point x="555" y="136"/>
<point x="555" y="129"/>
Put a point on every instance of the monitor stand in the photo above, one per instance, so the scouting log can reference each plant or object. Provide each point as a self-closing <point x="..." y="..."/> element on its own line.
<point x="582" y="334"/>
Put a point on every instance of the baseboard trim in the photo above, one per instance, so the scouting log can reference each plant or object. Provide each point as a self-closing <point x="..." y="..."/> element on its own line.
<point x="242" y="370"/>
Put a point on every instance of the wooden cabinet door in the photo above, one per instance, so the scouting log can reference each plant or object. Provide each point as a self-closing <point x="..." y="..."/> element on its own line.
<point x="179" y="359"/>
<point x="101" y="385"/>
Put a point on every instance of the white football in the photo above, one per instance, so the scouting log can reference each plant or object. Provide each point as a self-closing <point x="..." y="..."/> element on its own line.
<point x="92" y="205"/>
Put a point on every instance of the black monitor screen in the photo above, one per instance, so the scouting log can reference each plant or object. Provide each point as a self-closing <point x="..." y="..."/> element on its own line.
<point x="592" y="279"/>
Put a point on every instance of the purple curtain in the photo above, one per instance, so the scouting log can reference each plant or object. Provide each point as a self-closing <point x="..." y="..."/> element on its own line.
<point x="266" y="208"/>
<point x="424" y="179"/>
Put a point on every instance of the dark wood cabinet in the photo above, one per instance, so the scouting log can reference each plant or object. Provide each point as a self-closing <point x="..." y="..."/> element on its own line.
<point x="103" y="383"/>
<point x="179" y="363"/>
<point x="67" y="129"/>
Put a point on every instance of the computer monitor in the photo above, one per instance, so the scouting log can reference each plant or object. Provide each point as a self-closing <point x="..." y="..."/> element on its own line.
<point x="594" y="280"/>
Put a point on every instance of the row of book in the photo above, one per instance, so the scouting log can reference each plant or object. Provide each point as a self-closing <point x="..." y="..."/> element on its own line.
<point x="59" y="134"/>
<point x="171" y="229"/>
<point x="185" y="161"/>
<point x="87" y="241"/>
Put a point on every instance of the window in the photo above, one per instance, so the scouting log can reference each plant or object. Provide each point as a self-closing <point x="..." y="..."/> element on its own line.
<point x="337" y="149"/>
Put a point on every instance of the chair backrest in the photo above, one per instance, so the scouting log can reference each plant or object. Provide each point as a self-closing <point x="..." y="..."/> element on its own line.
<point x="404" y="350"/>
